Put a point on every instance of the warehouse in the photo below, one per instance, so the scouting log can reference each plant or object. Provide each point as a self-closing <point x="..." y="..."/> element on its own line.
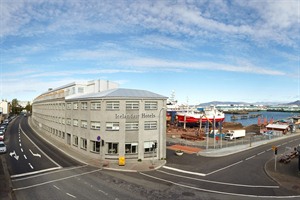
<point x="103" y="121"/>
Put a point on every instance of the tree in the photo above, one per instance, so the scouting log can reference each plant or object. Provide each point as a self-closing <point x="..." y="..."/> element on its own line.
<point x="28" y="107"/>
<point x="16" y="109"/>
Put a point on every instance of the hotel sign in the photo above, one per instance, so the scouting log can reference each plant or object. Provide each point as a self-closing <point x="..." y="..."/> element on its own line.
<point x="134" y="116"/>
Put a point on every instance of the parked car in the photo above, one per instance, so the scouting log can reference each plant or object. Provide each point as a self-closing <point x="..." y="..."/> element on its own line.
<point x="1" y="136"/>
<point x="2" y="129"/>
<point x="2" y="147"/>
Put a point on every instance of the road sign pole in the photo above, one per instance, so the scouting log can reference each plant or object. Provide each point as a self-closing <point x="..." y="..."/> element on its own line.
<point x="275" y="161"/>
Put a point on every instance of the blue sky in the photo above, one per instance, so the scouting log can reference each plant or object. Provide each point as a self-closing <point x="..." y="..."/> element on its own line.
<point x="215" y="50"/>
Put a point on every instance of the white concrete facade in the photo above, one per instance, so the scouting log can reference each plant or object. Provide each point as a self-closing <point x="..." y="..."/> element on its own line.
<point x="103" y="121"/>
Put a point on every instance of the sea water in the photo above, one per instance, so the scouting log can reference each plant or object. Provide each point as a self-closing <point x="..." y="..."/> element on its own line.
<point x="275" y="116"/>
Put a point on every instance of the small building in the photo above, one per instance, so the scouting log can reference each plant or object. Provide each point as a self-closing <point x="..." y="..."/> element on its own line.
<point x="283" y="128"/>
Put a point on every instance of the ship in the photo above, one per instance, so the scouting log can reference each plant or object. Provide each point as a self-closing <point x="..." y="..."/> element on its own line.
<point x="198" y="115"/>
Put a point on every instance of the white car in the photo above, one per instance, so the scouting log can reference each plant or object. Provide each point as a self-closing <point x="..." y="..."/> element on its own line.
<point x="2" y="147"/>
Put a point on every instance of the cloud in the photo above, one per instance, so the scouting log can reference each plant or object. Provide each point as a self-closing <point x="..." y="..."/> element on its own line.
<point x="168" y="64"/>
<point x="275" y="21"/>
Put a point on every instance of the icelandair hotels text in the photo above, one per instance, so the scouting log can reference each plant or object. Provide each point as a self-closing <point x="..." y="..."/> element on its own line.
<point x="134" y="116"/>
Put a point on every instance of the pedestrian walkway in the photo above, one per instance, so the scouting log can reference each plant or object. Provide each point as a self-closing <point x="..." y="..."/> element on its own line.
<point x="186" y="149"/>
<point x="219" y="152"/>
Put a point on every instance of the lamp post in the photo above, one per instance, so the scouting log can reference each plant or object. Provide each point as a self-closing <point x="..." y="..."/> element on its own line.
<point x="159" y="146"/>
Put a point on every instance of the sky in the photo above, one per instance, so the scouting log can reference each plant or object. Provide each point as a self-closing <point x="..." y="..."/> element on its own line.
<point x="203" y="50"/>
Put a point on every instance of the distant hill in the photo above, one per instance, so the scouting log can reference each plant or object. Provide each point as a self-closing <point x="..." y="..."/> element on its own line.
<point x="221" y="102"/>
<point x="294" y="103"/>
<point x="246" y="103"/>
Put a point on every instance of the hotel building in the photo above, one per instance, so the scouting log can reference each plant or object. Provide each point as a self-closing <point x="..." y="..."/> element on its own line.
<point x="103" y="121"/>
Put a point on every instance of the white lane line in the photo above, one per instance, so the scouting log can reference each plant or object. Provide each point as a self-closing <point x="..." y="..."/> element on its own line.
<point x="218" y="192"/>
<point x="56" y="187"/>
<point x="32" y="173"/>
<point x="30" y="165"/>
<point x="284" y="143"/>
<point x="22" y="149"/>
<point x="71" y="195"/>
<point x="224" y="168"/>
<point x="56" y="180"/>
<point x="25" y="157"/>
<point x="20" y="144"/>
<point x="269" y="149"/>
<point x="261" y="153"/>
<point x="103" y="192"/>
<point x="250" y="157"/>
<point x="19" y="140"/>
<point x="217" y="182"/>
<point x="279" y="145"/>
<point x="40" y="149"/>
<point x="183" y="171"/>
<point x="49" y="171"/>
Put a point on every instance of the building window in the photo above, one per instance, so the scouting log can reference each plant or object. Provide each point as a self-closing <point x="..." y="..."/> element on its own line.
<point x="63" y="121"/>
<point x="75" y="140"/>
<point x="68" y="122"/>
<point x="63" y="106"/>
<point x="149" y="146"/>
<point x="150" y="125"/>
<point x="83" y="124"/>
<point x="112" y="148"/>
<point x="84" y="105"/>
<point x="112" y="126"/>
<point x="131" y="126"/>
<point x="95" y="146"/>
<point x="131" y="148"/>
<point x="95" y="125"/>
<point x="112" y="105"/>
<point x="95" y="105"/>
<point x="83" y="143"/>
<point x="69" y="106"/>
<point x="151" y="105"/>
<point x="75" y="122"/>
<point x="75" y="106"/>
<point x="80" y="90"/>
<point x="132" y="105"/>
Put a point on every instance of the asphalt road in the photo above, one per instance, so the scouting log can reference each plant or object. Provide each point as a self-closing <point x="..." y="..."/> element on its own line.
<point x="56" y="176"/>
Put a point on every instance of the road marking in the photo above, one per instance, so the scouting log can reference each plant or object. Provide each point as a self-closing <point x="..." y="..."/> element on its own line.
<point x="20" y="144"/>
<point x="40" y="149"/>
<point x="183" y="171"/>
<point x="35" y="154"/>
<point x="56" y="187"/>
<point x="14" y="155"/>
<point x="25" y="157"/>
<point x="261" y="153"/>
<point x="49" y="171"/>
<point x="30" y="165"/>
<point x="217" y="182"/>
<point x="250" y="157"/>
<point x="218" y="192"/>
<point x="32" y="173"/>
<point x="269" y="149"/>
<point x="224" y="168"/>
<point x="22" y="149"/>
<point x="284" y="143"/>
<point x="103" y="192"/>
<point x="19" y="140"/>
<point x="71" y="195"/>
<point x="56" y="180"/>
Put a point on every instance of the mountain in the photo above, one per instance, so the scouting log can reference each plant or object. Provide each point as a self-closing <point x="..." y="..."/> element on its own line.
<point x="294" y="103"/>
<point x="222" y="103"/>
